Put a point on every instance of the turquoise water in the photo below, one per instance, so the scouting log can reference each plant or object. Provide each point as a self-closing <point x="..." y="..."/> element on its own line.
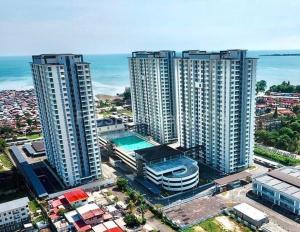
<point x="131" y="143"/>
<point x="110" y="72"/>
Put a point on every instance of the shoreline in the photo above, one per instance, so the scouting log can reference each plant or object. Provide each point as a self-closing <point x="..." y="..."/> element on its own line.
<point x="98" y="88"/>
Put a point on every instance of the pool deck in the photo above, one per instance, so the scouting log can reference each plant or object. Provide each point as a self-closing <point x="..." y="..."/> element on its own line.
<point x="131" y="143"/>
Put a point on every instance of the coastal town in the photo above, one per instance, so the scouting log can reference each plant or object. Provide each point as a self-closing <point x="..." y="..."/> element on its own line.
<point x="18" y="111"/>
<point x="118" y="203"/>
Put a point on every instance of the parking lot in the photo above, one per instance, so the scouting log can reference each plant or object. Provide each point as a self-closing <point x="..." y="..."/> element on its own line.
<point x="278" y="218"/>
<point x="197" y="210"/>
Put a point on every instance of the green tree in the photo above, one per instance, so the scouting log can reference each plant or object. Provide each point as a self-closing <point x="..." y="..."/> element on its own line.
<point x="131" y="220"/>
<point x="295" y="126"/>
<point x="296" y="109"/>
<point x="143" y="209"/>
<point x="284" y="87"/>
<point x="275" y="115"/>
<point x="261" y="136"/>
<point x="286" y="131"/>
<point x="6" y="131"/>
<point x="29" y="121"/>
<point x="2" y="145"/>
<point x="139" y="198"/>
<point x="131" y="206"/>
<point x="122" y="183"/>
<point x="132" y="194"/>
<point x="261" y="86"/>
<point x="61" y="212"/>
<point x="127" y="94"/>
<point x="283" y="142"/>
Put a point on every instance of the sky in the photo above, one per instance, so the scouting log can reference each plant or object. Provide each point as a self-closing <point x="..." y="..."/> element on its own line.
<point x="121" y="26"/>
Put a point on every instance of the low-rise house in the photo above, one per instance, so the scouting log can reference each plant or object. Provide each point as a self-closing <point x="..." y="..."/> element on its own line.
<point x="99" y="228"/>
<point x="120" y="222"/>
<point x="62" y="226"/>
<point x="91" y="214"/>
<point x="76" y="197"/>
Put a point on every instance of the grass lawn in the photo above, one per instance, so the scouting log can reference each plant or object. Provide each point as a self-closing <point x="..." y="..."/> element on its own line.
<point x="105" y="114"/>
<point x="212" y="225"/>
<point x="33" y="206"/>
<point x="34" y="136"/>
<point x="5" y="161"/>
<point x="285" y="160"/>
<point x="38" y="219"/>
<point x="127" y="112"/>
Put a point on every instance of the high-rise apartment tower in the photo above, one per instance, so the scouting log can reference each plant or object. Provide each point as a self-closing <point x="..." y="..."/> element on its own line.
<point x="215" y="95"/>
<point x="153" y="93"/>
<point x="66" y="106"/>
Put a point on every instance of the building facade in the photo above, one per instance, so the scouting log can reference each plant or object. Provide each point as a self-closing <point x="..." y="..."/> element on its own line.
<point x="281" y="187"/>
<point x="166" y="167"/>
<point x="14" y="214"/>
<point x="176" y="174"/>
<point x="215" y="94"/>
<point x="66" y="107"/>
<point x="152" y="93"/>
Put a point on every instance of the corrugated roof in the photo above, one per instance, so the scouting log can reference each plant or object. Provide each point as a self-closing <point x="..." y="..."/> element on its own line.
<point x="250" y="211"/>
<point x="38" y="146"/>
<point x="283" y="176"/>
<point x="115" y="229"/>
<point x="18" y="155"/>
<point x="76" y="195"/>
<point x="28" y="172"/>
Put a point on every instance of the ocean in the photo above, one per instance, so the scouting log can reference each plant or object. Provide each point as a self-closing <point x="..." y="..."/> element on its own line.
<point x="110" y="72"/>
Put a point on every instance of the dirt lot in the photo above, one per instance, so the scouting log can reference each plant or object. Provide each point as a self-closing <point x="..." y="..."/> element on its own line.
<point x="228" y="224"/>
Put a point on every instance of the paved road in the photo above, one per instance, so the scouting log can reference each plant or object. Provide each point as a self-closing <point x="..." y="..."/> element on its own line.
<point x="109" y="172"/>
<point x="239" y="195"/>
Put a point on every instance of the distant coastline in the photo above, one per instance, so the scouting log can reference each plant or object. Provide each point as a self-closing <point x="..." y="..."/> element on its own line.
<point x="110" y="74"/>
<point x="281" y="54"/>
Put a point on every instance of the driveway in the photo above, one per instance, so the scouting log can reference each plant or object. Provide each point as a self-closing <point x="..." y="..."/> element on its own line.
<point x="239" y="195"/>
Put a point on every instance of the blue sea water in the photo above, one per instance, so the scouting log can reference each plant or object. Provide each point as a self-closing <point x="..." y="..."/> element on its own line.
<point x="110" y="72"/>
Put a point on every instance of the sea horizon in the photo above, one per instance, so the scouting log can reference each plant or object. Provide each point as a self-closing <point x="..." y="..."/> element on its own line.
<point x="110" y="73"/>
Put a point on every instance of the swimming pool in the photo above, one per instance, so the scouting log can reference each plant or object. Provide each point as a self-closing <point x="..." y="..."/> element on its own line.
<point x="131" y="143"/>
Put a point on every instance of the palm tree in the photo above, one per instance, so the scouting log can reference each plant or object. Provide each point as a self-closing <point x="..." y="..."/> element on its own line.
<point x="139" y="198"/>
<point x="2" y="145"/>
<point x="143" y="208"/>
<point x="29" y="122"/>
<point x="131" y="206"/>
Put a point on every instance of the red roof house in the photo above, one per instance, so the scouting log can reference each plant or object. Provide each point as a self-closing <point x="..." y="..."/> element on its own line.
<point x="77" y="196"/>
<point x="91" y="214"/>
<point x="81" y="226"/>
<point x="115" y="229"/>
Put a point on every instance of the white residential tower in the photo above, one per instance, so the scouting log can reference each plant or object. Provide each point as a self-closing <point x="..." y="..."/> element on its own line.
<point x="66" y="106"/>
<point x="215" y="95"/>
<point x="152" y="93"/>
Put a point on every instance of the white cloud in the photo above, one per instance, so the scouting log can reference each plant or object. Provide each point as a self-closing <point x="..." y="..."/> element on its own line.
<point x="114" y="26"/>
